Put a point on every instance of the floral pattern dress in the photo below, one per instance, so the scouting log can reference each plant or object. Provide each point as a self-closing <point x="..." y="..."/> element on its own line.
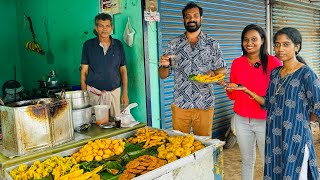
<point x="289" y="101"/>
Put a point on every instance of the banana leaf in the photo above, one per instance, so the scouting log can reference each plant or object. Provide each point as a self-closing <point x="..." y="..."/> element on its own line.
<point x="191" y="76"/>
<point x="108" y="176"/>
<point x="135" y="151"/>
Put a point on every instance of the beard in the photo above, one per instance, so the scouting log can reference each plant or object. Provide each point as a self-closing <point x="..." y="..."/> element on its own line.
<point x="190" y="28"/>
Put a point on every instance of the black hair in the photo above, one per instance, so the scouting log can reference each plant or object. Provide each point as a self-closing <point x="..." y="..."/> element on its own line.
<point x="264" y="47"/>
<point x="295" y="36"/>
<point x="191" y="5"/>
<point x="102" y="16"/>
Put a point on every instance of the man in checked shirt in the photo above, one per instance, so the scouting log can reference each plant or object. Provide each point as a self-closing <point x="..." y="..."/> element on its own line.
<point x="193" y="52"/>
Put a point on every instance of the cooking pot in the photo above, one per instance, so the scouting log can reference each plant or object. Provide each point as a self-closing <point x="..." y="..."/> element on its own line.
<point x="79" y="99"/>
<point x="49" y="84"/>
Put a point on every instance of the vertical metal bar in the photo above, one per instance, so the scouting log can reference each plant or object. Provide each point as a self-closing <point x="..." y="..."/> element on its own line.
<point x="268" y="22"/>
<point x="146" y="65"/>
<point x="161" y="82"/>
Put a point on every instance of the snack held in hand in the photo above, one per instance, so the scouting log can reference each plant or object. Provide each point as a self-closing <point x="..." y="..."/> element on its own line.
<point x="203" y="78"/>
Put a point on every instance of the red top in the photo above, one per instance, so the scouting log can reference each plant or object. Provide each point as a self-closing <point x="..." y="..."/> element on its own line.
<point x="255" y="80"/>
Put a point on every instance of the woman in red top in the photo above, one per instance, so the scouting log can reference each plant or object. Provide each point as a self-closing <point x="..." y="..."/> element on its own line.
<point x="251" y="70"/>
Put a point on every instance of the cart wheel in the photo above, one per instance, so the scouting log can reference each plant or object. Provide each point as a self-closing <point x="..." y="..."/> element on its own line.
<point x="230" y="141"/>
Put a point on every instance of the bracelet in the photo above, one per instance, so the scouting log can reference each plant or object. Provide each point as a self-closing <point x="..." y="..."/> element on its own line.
<point x="253" y="97"/>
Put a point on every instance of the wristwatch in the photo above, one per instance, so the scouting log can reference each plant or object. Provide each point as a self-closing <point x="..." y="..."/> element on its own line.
<point x="165" y="66"/>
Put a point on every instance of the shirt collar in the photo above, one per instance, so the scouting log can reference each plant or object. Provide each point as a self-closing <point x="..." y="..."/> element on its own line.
<point x="98" y="42"/>
<point x="201" y="40"/>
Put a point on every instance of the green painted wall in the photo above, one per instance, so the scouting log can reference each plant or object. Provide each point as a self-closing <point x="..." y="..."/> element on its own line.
<point x="154" y="77"/>
<point x="9" y="52"/>
<point x="70" y="23"/>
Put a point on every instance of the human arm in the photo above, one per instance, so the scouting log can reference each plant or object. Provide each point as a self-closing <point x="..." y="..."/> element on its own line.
<point x="222" y="70"/>
<point x="253" y="95"/>
<point x="313" y="117"/>
<point x="312" y="92"/>
<point x="124" y="79"/>
<point x="164" y="68"/>
<point x="83" y="76"/>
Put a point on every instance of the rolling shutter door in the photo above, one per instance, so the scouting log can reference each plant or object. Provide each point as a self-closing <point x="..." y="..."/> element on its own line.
<point x="306" y="18"/>
<point x="222" y="20"/>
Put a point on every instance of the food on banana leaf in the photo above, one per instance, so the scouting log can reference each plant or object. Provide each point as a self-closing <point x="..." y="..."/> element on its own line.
<point x="203" y="78"/>
<point x="99" y="149"/>
<point x="178" y="147"/>
<point x="150" y="137"/>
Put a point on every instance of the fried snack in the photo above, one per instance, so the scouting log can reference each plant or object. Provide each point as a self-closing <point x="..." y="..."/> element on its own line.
<point x="178" y="147"/>
<point x="150" y="137"/>
<point x="99" y="149"/>
<point x="141" y="165"/>
<point x="208" y="79"/>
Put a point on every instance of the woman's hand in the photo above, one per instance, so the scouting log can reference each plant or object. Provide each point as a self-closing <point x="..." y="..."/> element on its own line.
<point x="210" y="73"/>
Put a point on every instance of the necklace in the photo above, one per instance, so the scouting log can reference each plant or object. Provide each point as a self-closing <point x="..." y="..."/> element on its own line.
<point x="280" y="86"/>
<point x="277" y="86"/>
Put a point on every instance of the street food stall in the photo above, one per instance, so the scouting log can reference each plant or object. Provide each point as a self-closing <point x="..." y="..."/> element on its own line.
<point x="40" y="133"/>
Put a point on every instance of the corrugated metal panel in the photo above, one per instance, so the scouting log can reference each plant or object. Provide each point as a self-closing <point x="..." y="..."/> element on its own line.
<point x="306" y="18"/>
<point x="223" y="20"/>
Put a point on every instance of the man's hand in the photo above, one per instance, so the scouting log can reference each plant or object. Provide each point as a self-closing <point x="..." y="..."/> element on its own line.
<point x="124" y="99"/>
<point x="164" y="60"/>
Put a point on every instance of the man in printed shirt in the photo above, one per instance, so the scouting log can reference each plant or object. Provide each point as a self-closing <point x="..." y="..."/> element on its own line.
<point x="192" y="53"/>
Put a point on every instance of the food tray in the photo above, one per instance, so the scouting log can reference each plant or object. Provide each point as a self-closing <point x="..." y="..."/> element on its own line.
<point x="202" y="160"/>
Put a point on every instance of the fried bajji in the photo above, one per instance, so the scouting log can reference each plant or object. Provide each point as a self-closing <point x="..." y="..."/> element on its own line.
<point x="150" y="137"/>
<point x="178" y="147"/>
<point x="142" y="165"/>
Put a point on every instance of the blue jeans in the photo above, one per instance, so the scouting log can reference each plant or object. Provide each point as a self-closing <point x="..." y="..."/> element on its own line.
<point x="250" y="132"/>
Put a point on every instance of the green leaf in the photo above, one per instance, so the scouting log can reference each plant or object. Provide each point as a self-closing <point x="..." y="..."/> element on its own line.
<point x="50" y="177"/>
<point x="128" y="147"/>
<point x="191" y="76"/>
<point x="113" y="165"/>
<point x="108" y="176"/>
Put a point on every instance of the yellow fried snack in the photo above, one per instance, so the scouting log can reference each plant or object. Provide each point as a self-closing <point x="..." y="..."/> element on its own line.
<point x="178" y="147"/>
<point x="203" y="78"/>
<point x="150" y="137"/>
<point x="99" y="149"/>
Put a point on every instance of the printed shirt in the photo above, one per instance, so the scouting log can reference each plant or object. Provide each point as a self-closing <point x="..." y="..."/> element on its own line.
<point x="254" y="79"/>
<point x="204" y="56"/>
<point x="289" y="101"/>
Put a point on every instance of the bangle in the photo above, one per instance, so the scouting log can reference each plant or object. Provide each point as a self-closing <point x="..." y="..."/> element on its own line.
<point x="254" y="96"/>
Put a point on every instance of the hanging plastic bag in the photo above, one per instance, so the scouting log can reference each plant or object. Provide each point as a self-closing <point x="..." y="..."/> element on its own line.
<point x="128" y="34"/>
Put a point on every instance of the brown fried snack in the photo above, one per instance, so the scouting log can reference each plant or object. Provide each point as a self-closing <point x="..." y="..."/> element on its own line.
<point x="132" y="164"/>
<point x="126" y="176"/>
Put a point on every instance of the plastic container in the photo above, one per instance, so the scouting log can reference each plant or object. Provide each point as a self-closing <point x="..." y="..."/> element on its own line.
<point x="126" y="119"/>
<point x="101" y="113"/>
